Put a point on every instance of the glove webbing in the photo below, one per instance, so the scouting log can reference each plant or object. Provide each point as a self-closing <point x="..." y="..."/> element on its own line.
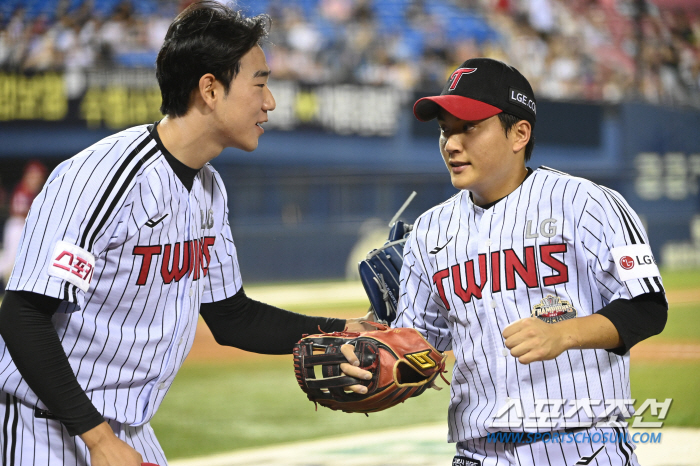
<point x="330" y="363"/>
<point x="387" y="295"/>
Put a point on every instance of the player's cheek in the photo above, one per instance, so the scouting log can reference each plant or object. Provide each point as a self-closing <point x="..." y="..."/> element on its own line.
<point x="442" y="142"/>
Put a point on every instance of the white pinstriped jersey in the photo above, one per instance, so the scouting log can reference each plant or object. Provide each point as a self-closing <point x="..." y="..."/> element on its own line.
<point x="117" y="236"/>
<point x="549" y="249"/>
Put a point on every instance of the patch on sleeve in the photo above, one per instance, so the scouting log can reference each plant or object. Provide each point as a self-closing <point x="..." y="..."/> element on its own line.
<point x="72" y="264"/>
<point x="634" y="261"/>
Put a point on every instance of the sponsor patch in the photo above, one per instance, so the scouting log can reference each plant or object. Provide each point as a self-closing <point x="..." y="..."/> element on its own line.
<point x="553" y="309"/>
<point x="520" y="98"/>
<point x="634" y="262"/>
<point x="464" y="461"/>
<point x="72" y="264"/>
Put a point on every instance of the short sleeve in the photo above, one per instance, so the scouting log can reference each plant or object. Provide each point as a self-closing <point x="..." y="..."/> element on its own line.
<point x="617" y="247"/>
<point x="419" y="306"/>
<point x="75" y="216"/>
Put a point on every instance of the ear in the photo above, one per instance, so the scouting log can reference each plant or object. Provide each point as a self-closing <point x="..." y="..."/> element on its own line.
<point x="520" y="135"/>
<point x="209" y="90"/>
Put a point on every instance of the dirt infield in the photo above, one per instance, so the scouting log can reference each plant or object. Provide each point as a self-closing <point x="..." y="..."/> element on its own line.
<point x="206" y="349"/>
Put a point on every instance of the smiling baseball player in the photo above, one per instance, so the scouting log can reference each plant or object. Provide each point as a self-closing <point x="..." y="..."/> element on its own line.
<point x="540" y="282"/>
<point x="127" y="243"/>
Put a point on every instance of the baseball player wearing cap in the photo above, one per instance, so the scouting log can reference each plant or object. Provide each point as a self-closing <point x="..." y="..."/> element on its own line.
<point x="540" y="282"/>
<point x="127" y="243"/>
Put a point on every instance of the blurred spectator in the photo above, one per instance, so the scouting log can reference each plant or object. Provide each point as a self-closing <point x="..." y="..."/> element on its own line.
<point x="29" y="186"/>
<point x="569" y="49"/>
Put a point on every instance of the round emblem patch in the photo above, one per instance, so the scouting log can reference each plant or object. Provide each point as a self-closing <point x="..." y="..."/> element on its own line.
<point x="626" y="262"/>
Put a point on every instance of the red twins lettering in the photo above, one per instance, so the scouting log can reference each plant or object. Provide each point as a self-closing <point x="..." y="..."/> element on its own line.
<point x="503" y="263"/>
<point x="75" y="264"/>
<point x="191" y="258"/>
<point x="472" y="288"/>
<point x="455" y="77"/>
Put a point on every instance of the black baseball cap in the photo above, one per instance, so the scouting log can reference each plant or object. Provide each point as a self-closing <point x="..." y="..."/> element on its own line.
<point x="481" y="88"/>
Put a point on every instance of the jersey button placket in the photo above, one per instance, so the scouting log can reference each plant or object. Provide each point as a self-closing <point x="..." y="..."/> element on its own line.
<point x="487" y="226"/>
<point x="184" y="303"/>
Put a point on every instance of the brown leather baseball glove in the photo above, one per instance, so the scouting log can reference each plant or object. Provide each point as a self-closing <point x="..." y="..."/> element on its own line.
<point x="403" y="364"/>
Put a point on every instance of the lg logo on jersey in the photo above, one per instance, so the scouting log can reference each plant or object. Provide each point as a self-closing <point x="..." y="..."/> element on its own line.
<point x="179" y="259"/>
<point x="627" y="262"/>
<point x="207" y="220"/>
<point x="548" y="229"/>
<point x="503" y="264"/>
<point x="634" y="262"/>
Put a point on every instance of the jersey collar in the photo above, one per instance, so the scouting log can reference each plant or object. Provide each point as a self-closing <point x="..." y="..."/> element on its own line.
<point x="184" y="173"/>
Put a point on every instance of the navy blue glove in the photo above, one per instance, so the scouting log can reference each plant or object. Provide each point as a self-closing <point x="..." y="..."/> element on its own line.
<point x="380" y="272"/>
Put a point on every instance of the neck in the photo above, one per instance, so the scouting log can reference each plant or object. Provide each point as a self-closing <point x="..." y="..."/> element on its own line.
<point x="503" y="188"/>
<point x="188" y="139"/>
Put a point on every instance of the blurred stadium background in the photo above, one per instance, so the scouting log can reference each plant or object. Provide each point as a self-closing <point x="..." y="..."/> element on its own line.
<point x="618" y="87"/>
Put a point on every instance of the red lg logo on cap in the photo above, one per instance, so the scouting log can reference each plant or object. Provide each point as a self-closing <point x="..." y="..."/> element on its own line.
<point x="626" y="262"/>
<point x="458" y="74"/>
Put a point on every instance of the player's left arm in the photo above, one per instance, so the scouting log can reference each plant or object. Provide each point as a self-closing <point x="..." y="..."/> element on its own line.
<point x="239" y="321"/>
<point x="617" y="327"/>
<point x="253" y="326"/>
<point x="636" y="304"/>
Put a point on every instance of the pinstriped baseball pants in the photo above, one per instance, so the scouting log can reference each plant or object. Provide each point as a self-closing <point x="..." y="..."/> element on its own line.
<point x="583" y="447"/>
<point x="29" y="440"/>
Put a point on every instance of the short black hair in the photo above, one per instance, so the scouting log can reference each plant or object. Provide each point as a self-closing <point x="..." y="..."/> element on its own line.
<point x="507" y="122"/>
<point x="207" y="37"/>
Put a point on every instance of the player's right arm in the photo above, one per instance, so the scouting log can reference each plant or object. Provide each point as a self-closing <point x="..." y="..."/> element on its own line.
<point x="108" y="450"/>
<point x="72" y="221"/>
<point x="419" y="306"/>
<point x="26" y="328"/>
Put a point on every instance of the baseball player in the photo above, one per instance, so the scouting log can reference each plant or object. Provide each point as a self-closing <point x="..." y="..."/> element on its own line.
<point x="123" y="249"/>
<point x="540" y="282"/>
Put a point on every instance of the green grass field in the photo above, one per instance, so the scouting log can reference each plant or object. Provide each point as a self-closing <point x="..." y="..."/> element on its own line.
<point x="221" y="407"/>
<point x="217" y="407"/>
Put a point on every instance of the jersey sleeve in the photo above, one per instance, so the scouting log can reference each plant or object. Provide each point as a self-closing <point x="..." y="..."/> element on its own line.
<point x="75" y="216"/>
<point x="617" y="247"/>
<point x="419" y="306"/>
<point x="223" y="278"/>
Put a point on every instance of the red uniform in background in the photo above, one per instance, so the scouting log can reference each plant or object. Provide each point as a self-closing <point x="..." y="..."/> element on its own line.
<point x="20" y="202"/>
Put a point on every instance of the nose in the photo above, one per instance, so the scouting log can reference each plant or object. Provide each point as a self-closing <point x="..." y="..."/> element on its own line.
<point x="269" y="103"/>
<point x="452" y="145"/>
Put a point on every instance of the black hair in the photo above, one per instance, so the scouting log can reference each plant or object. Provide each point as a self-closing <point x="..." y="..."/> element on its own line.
<point x="507" y="122"/>
<point x="207" y="37"/>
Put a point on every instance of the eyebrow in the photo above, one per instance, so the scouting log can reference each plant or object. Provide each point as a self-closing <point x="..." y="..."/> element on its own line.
<point x="262" y="74"/>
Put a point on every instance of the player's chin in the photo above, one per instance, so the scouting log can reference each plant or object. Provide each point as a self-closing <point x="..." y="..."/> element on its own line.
<point x="460" y="181"/>
<point x="248" y="146"/>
